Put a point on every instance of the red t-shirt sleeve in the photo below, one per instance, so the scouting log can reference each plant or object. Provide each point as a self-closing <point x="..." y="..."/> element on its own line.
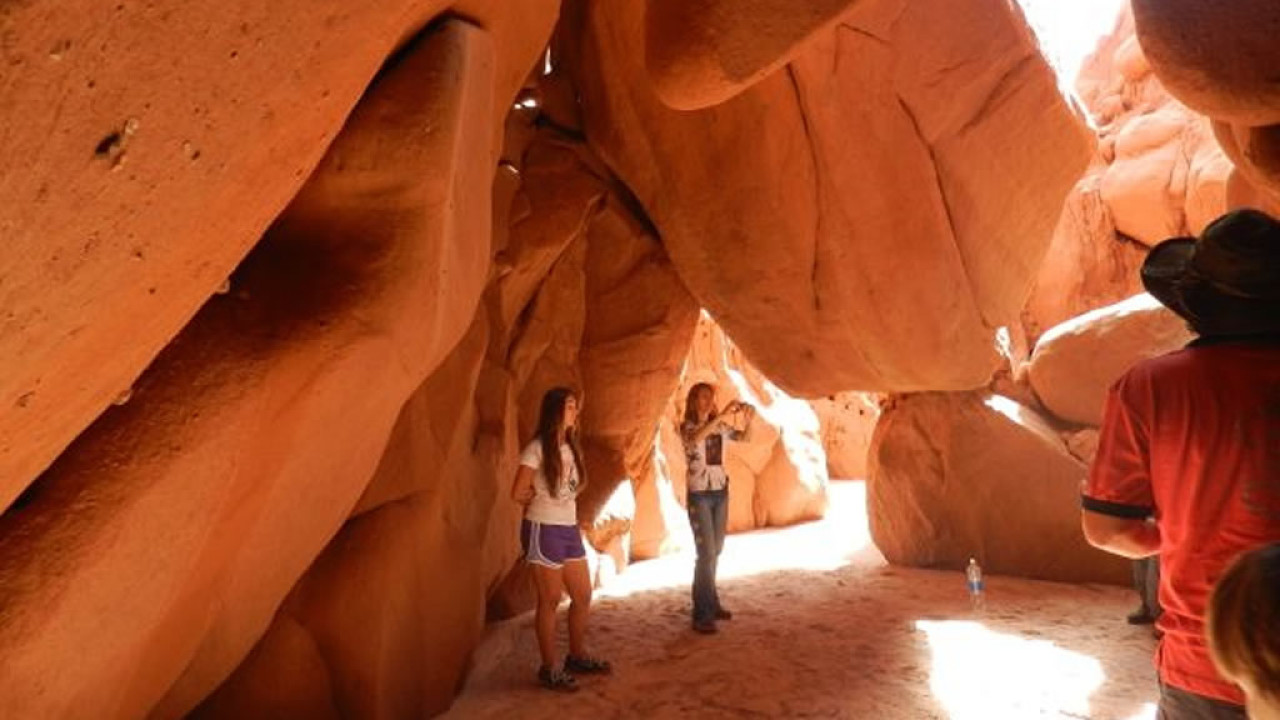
<point x="1119" y="482"/>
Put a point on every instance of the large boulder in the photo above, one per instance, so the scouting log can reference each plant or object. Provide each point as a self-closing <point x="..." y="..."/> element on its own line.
<point x="960" y="475"/>
<point x="1075" y="363"/>
<point x="850" y="226"/>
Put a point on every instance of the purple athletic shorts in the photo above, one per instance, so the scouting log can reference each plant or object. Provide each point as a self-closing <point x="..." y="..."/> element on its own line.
<point x="550" y="545"/>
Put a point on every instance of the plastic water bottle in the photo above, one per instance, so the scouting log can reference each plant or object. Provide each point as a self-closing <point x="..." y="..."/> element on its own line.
<point x="973" y="576"/>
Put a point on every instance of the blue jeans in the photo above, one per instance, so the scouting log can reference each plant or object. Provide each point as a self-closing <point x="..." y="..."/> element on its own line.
<point x="708" y="513"/>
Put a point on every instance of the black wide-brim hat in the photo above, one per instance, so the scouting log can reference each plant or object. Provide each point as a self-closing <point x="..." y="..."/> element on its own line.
<point x="1225" y="282"/>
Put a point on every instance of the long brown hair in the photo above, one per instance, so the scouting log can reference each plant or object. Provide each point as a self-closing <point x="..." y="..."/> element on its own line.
<point x="1243" y="622"/>
<point x="550" y="421"/>
<point x="691" y="402"/>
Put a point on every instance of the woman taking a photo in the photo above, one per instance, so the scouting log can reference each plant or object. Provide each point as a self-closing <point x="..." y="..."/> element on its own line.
<point x="704" y="433"/>
<point x="548" y="482"/>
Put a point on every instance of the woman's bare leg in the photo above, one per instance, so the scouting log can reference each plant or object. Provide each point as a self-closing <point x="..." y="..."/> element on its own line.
<point x="550" y="582"/>
<point x="577" y="580"/>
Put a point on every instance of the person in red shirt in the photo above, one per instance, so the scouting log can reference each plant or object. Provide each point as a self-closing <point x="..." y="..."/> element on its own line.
<point x="1188" y="463"/>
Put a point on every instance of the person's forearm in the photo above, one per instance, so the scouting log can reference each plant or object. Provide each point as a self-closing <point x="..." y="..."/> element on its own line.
<point x="522" y="487"/>
<point x="710" y="427"/>
<point x="1134" y="539"/>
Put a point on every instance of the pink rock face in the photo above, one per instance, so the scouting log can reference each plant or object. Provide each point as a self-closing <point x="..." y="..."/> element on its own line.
<point x="1168" y="177"/>
<point x="147" y="149"/>
<point x="961" y="475"/>
<point x="249" y="441"/>
<point x="883" y="231"/>
<point x="640" y="320"/>
<point x="1218" y="59"/>
<point x="1076" y="362"/>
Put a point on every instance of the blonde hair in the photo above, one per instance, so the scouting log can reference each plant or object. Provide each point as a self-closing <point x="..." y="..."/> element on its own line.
<point x="1243" y="620"/>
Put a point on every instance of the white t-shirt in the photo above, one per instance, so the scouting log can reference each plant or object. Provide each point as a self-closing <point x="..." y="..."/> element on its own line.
<point x="545" y="507"/>
<point x="706" y="459"/>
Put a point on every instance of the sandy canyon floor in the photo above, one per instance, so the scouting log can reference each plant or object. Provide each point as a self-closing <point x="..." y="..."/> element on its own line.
<point x="824" y="628"/>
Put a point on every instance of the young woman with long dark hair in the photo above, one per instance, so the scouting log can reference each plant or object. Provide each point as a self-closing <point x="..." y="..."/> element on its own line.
<point x="550" y="477"/>
<point x="704" y="432"/>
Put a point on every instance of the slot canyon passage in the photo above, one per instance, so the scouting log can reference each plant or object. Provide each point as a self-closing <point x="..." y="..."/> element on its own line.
<point x="282" y="287"/>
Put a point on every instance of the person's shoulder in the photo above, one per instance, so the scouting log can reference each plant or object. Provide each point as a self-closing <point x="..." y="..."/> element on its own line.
<point x="1171" y="363"/>
<point x="1194" y="359"/>
<point x="532" y="452"/>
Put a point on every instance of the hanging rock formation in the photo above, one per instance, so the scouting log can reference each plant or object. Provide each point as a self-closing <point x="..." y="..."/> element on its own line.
<point x="842" y="199"/>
